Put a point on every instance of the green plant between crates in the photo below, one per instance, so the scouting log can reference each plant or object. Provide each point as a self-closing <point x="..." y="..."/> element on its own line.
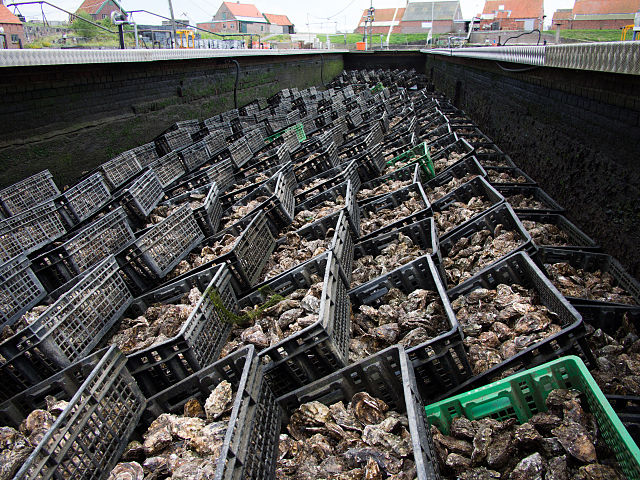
<point x="418" y="154"/>
<point x="524" y="394"/>
<point x="299" y="129"/>
<point x="249" y="317"/>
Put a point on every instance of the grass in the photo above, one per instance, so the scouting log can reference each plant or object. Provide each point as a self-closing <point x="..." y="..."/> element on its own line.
<point x="279" y="38"/>
<point x="590" y="35"/>
<point x="395" y="39"/>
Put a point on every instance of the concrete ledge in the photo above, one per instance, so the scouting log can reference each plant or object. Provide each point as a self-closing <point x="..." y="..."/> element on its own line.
<point x="32" y="58"/>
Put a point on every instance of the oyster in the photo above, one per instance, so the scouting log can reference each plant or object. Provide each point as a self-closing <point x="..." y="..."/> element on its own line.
<point x="387" y="187"/>
<point x="207" y="254"/>
<point x="443" y="190"/>
<point x="546" y="233"/>
<point x="498" y="324"/>
<point x="293" y="251"/>
<point x="161" y="212"/>
<point x="304" y="217"/>
<point x="522" y="201"/>
<point x="238" y="212"/>
<point x="378" y="219"/>
<point x="457" y="213"/>
<point x="496" y="176"/>
<point x="362" y="440"/>
<point x="444" y="162"/>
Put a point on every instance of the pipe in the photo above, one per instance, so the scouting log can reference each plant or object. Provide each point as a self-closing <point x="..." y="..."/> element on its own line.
<point x="235" y="87"/>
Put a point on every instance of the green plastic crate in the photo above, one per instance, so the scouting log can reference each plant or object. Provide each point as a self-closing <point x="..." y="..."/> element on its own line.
<point x="420" y="155"/>
<point x="377" y="88"/>
<point x="299" y="128"/>
<point x="523" y="394"/>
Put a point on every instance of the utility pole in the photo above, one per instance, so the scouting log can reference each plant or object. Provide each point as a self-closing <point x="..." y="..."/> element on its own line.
<point x="173" y="25"/>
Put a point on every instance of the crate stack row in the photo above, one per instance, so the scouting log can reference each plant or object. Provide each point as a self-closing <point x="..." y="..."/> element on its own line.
<point x="269" y="247"/>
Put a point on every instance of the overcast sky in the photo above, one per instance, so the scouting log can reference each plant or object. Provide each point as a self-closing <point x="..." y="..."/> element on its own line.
<point x="326" y="15"/>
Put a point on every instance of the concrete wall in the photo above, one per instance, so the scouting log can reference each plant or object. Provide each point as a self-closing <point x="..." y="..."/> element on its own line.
<point x="577" y="134"/>
<point x="70" y="119"/>
<point x="385" y="59"/>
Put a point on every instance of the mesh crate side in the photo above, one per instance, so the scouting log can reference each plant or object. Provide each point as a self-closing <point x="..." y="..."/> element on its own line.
<point x="146" y="192"/>
<point x="169" y="168"/>
<point x="146" y="154"/>
<point x="21" y="289"/>
<point x="120" y="169"/>
<point x="29" y="192"/>
<point x="195" y="155"/>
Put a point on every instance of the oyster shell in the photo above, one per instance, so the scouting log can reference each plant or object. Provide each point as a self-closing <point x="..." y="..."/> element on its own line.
<point x="546" y="233"/>
<point x="380" y="218"/>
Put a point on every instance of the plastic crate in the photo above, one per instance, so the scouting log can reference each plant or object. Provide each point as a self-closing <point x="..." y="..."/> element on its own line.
<point x="266" y="160"/>
<point x="460" y="147"/>
<point x="268" y="178"/>
<point x="251" y="444"/>
<point x="318" y="349"/>
<point x="392" y="200"/>
<point x="21" y="290"/>
<point x="200" y="340"/>
<point x="420" y="155"/>
<point x="209" y="214"/>
<point x="405" y="174"/>
<point x="495" y="159"/>
<point x="67" y="331"/>
<point x="173" y="140"/>
<point x="120" y="169"/>
<point x="571" y="340"/>
<point x="514" y="172"/>
<point x="343" y="189"/>
<point x="388" y="376"/>
<point x="535" y="193"/>
<point x="151" y="257"/>
<point x="522" y="395"/>
<point x="91" y="433"/>
<point x="502" y="214"/>
<point x="105" y="236"/>
<point x="256" y="138"/>
<point x="169" y="168"/>
<point x="215" y="141"/>
<point x="84" y="199"/>
<point x="240" y="153"/>
<point x="143" y="195"/>
<point x="330" y="178"/>
<point x="279" y="207"/>
<point x="194" y="155"/>
<point x="627" y="409"/>
<point x="577" y="238"/>
<point x="146" y="154"/>
<point x="221" y="173"/>
<point x="459" y="170"/>
<point x="28" y="193"/>
<point x="371" y="163"/>
<point x="478" y="187"/>
<point x="30" y="230"/>
<point x="325" y="160"/>
<point x="591" y="262"/>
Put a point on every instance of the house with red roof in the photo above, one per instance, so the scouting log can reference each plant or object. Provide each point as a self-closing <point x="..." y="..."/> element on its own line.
<point x="512" y="15"/>
<point x="279" y="24"/>
<point x="438" y="16"/>
<point x="602" y="14"/>
<point x="100" y="9"/>
<point x="11" y="29"/>
<point x="235" y="17"/>
<point x="384" y="19"/>
<point x="562" y="18"/>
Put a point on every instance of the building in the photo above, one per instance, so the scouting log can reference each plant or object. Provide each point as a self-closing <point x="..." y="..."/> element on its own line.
<point x="279" y="24"/>
<point x="512" y="15"/>
<point x="447" y="17"/>
<point x="100" y="9"/>
<point x="11" y="29"/>
<point x="384" y="19"/>
<point x="237" y="18"/>
<point x="603" y="14"/>
<point x="563" y="17"/>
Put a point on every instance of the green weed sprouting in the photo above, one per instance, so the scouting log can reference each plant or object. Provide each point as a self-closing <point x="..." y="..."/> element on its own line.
<point x="230" y="317"/>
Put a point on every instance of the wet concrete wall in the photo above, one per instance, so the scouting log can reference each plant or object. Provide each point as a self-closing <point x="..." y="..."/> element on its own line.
<point x="71" y="118"/>
<point x="576" y="133"/>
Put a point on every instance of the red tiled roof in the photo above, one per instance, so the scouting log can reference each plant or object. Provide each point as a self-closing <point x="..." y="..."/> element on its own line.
<point x="281" y="20"/>
<point x="518" y="8"/>
<point x="7" y="17"/>
<point x="243" y="9"/>
<point x="383" y="14"/>
<point x="563" y="14"/>
<point x="603" y="7"/>
<point x="91" y="6"/>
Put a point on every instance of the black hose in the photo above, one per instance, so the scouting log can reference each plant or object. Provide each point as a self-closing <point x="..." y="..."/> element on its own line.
<point x="322" y="69"/>
<point x="526" y="33"/>
<point x="235" y="87"/>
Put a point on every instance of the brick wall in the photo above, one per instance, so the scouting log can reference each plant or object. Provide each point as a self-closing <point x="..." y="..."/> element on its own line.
<point x="576" y="134"/>
<point x="71" y="118"/>
<point x="10" y="31"/>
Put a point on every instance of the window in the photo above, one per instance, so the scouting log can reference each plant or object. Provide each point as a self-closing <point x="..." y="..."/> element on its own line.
<point x="231" y="25"/>
<point x="261" y="28"/>
<point x="104" y="15"/>
<point x="224" y="15"/>
<point x="224" y="25"/>
<point x="14" y="38"/>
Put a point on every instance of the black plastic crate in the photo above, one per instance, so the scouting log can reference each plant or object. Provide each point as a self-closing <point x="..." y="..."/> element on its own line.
<point x="85" y="198"/>
<point x="201" y="338"/>
<point x="194" y="155"/>
<point x="256" y="138"/>
<point x="28" y="193"/>
<point x="460" y="147"/>
<point x="173" y="140"/>
<point x="215" y="141"/>
<point x="67" y="331"/>
<point x="30" y="230"/>
<point x="319" y="349"/>
<point x="83" y="250"/>
<point x="535" y="193"/>
<point x="21" y="289"/>
<point x="330" y="179"/>
<point x="577" y="238"/>
<point x="169" y="168"/>
<point x="468" y="166"/>
<point x="405" y="174"/>
<point x="628" y="410"/>
<point x="392" y="200"/>
<point x="91" y="433"/>
<point x="121" y="169"/>
<point x="275" y="157"/>
<point x="503" y="215"/>
<point x="591" y="262"/>
<point x="251" y="444"/>
<point x="146" y="154"/>
<point x="149" y="258"/>
<point x="208" y="215"/>
<point x="221" y="173"/>
<point x="142" y="196"/>
<point x="513" y="172"/>
<point x="571" y="340"/>
<point x="494" y="159"/>
<point x="371" y="163"/>
<point x="478" y="187"/>
<point x="388" y="376"/>
<point x="267" y="179"/>
<point x="279" y="207"/>
<point x="320" y="162"/>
